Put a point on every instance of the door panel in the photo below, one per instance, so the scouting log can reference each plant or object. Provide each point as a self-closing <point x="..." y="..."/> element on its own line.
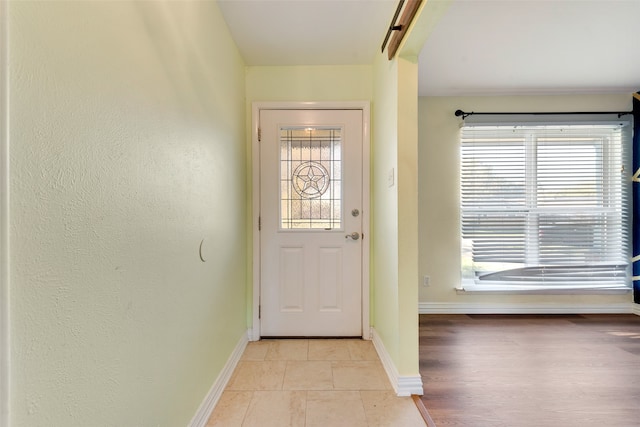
<point x="291" y="277"/>
<point x="330" y="276"/>
<point x="310" y="182"/>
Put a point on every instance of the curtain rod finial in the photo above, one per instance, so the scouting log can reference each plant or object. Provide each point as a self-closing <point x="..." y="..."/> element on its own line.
<point x="464" y="115"/>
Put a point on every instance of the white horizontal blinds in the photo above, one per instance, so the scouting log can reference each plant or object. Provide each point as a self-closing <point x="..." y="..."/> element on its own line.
<point x="494" y="195"/>
<point x="544" y="205"/>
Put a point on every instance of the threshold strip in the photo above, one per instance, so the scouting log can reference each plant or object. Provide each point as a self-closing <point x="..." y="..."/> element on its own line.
<point x="423" y="410"/>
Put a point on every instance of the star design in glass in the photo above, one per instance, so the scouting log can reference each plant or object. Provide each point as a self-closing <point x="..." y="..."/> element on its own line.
<point x="310" y="180"/>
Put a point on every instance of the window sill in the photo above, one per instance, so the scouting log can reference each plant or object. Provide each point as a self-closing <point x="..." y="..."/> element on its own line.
<point x="537" y="290"/>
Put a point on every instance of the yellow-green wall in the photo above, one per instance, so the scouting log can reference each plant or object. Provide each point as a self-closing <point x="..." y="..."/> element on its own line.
<point x="309" y="83"/>
<point x="127" y="150"/>
<point x="394" y="257"/>
<point x="439" y="193"/>
<point x="384" y="233"/>
<point x="395" y="226"/>
<point x="407" y="363"/>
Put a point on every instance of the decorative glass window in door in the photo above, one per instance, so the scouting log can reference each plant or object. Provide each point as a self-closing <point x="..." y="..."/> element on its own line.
<point x="310" y="178"/>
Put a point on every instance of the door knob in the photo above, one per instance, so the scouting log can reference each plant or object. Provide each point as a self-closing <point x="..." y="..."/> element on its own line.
<point x="353" y="236"/>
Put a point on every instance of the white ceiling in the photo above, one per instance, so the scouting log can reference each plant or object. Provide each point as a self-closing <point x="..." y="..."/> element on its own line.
<point x="480" y="47"/>
<point x="539" y="46"/>
<point x="308" y="32"/>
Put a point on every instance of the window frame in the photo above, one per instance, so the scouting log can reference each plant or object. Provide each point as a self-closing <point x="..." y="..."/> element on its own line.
<point x="533" y="211"/>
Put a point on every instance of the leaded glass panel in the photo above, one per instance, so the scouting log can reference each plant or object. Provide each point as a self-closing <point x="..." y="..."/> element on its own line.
<point x="310" y="178"/>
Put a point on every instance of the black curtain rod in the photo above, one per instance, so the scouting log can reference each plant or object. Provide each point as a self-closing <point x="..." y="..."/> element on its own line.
<point x="464" y="115"/>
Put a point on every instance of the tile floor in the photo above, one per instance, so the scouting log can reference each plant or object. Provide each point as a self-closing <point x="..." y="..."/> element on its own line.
<point x="312" y="382"/>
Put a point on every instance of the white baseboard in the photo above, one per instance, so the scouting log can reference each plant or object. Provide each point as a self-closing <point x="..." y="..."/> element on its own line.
<point x="636" y="309"/>
<point x="541" y="308"/>
<point x="211" y="399"/>
<point x="403" y="385"/>
<point x="253" y="335"/>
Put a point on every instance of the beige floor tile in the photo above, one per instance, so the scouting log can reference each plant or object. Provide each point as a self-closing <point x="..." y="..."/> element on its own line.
<point x="276" y="409"/>
<point x="362" y="350"/>
<point x="359" y="375"/>
<point x="255" y="375"/>
<point x="385" y="409"/>
<point x="256" y="350"/>
<point x="287" y="350"/>
<point x="308" y="375"/>
<point x="231" y="409"/>
<point x="275" y="385"/>
<point x="327" y="349"/>
<point x="335" y="409"/>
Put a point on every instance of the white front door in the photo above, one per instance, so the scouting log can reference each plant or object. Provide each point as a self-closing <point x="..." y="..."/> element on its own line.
<point x="311" y="222"/>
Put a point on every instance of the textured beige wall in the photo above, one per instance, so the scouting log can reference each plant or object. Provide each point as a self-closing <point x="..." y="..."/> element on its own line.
<point x="439" y="191"/>
<point x="127" y="149"/>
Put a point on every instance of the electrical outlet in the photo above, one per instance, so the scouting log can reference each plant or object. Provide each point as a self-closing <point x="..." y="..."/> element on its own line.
<point x="425" y="281"/>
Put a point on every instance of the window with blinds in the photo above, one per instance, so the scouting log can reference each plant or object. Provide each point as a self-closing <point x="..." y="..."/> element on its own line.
<point x="545" y="206"/>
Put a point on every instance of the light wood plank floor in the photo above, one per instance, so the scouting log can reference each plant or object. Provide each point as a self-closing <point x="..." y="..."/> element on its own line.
<point x="531" y="370"/>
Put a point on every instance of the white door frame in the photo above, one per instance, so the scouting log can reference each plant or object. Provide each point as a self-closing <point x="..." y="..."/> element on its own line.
<point x="366" y="202"/>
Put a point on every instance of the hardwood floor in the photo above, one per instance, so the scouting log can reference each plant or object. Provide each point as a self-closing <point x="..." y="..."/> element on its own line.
<point x="531" y="370"/>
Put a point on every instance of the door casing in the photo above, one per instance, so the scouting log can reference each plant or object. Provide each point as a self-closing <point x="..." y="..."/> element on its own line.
<point x="254" y="333"/>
